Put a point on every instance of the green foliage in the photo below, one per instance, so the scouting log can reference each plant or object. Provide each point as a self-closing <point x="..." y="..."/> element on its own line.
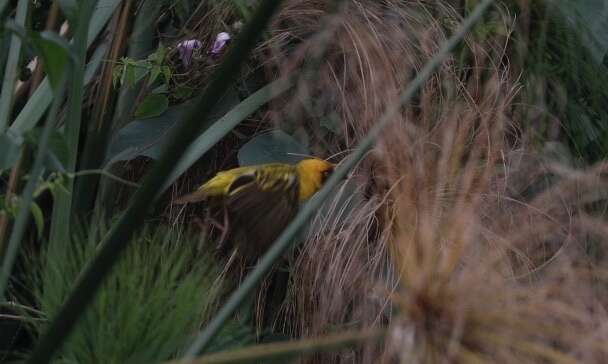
<point x="562" y="76"/>
<point x="9" y="150"/>
<point x="159" y="293"/>
<point x="10" y="209"/>
<point x="151" y="106"/>
<point x="129" y="71"/>
<point x="272" y="147"/>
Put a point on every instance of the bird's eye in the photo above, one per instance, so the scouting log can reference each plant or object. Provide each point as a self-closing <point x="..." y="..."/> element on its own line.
<point x="326" y="173"/>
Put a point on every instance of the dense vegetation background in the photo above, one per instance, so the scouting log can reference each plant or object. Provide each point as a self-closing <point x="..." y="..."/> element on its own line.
<point x="469" y="226"/>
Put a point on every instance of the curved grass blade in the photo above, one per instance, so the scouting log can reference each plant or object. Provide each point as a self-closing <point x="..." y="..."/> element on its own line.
<point x="284" y="241"/>
<point x="10" y="72"/>
<point x="120" y="234"/>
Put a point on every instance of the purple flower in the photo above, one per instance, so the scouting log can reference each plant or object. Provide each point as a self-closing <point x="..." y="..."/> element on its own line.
<point x="220" y="42"/>
<point x="186" y="48"/>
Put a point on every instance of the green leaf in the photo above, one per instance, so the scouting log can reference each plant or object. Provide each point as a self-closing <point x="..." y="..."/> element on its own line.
<point x="162" y="89"/>
<point x="183" y="92"/>
<point x="117" y="75"/>
<point x="9" y="150"/>
<point x="152" y="105"/>
<point x="167" y="74"/>
<point x="273" y="147"/>
<point x="154" y="73"/>
<point x="58" y="152"/>
<point x="69" y="9"/>
<point x="147" y="137"/>
<point x="223" y="126"/>
<point x="38" y="219"/>
<point x="128" y="75"/>
<point x="158" y="56"/>
<point x="54" y="51"/>
<point x="142" y="67"/>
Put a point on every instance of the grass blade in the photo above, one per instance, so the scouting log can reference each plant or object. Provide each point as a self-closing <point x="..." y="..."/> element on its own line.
<point x="62" y="204"/>
<point x="284" y="241"/>
<point x="28" y="193"/>
<point x="11" y="70"/>
<point x="42" y="97"/>
<point x="3" y="4"/>
<point x="120" y="234"/>
<point x="225" y="124"/>
<point x="290" y="349"/>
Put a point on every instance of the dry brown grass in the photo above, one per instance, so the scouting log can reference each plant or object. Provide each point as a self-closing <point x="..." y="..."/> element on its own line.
<point x="457" y="245"/>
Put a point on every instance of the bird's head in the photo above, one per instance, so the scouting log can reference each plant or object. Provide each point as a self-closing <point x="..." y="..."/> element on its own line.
<point x="312" y="173"/>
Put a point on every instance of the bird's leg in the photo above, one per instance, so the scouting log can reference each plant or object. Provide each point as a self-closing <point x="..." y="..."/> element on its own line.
<point x="223" y="227"/>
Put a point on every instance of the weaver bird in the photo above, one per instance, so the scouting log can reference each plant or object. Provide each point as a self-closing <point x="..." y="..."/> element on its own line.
<point x="259" y="201"/>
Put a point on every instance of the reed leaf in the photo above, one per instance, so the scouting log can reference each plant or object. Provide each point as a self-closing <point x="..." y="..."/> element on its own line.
<point x="28" y="192"/>
<point x="120" y="234"/>
<point x="41" y="99"/>
<point x="62" y="203"/>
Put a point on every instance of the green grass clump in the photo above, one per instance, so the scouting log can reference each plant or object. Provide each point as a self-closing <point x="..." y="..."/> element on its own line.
<point x="152" y="303"/>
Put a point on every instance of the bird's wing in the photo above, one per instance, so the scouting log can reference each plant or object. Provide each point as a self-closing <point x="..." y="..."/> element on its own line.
<point x="261" y="207"/>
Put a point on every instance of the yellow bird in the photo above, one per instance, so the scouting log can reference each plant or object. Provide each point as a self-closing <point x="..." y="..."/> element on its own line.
<point x="261" y="200"/>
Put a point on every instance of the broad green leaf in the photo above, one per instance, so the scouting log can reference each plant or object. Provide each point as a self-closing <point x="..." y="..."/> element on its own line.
<point x="273" y="147"/>
<point x="147" y="137"/>
<point x="152" y="105"/>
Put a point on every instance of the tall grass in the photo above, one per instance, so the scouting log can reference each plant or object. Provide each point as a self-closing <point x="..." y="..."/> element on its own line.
<point x="163" y="288"/>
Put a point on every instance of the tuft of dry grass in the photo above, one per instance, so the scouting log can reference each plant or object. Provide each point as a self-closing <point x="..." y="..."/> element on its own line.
<point x="467" y="244"/>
